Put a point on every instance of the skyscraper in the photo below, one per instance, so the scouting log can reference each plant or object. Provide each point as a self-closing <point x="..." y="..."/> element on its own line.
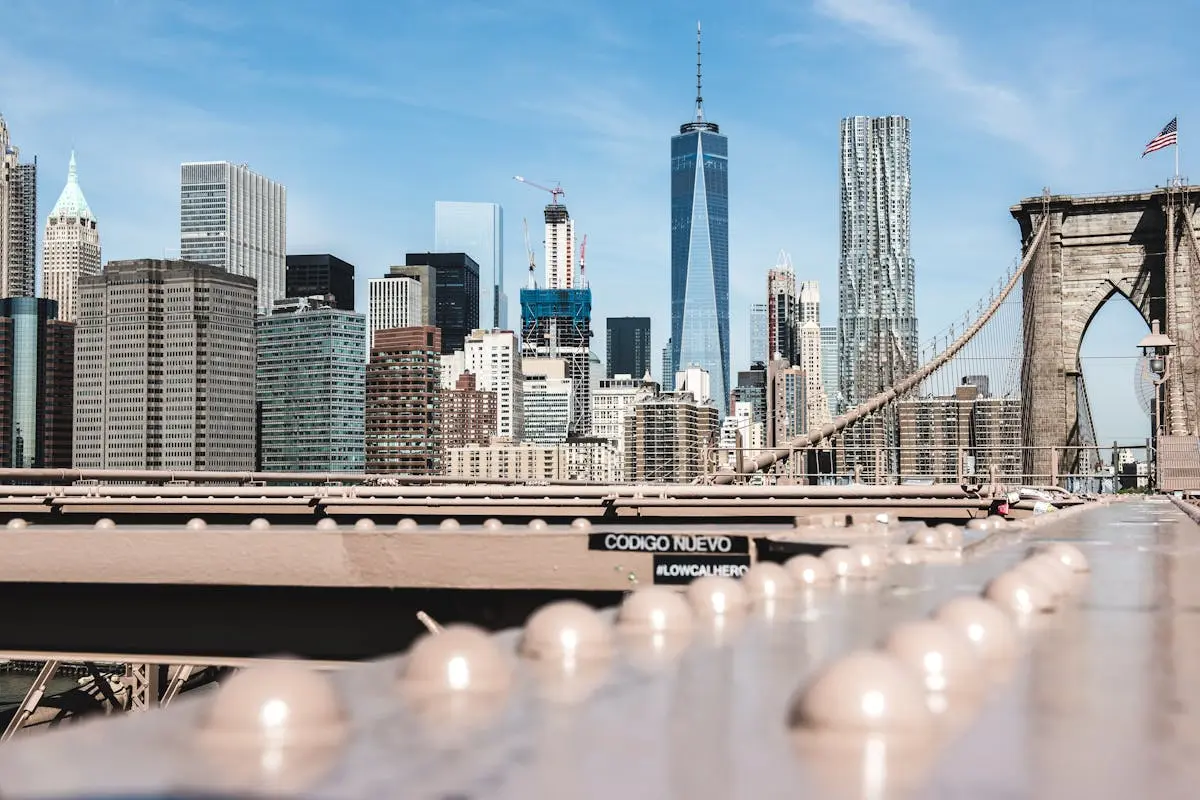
<point x="829" y="367"/>
<point x="783" y="313"/>
<point x="808" y="298"/>
<point x="456" y="302"/>
<point x="476" y="229"/>
<point x="36" y="384"/>
<point x="494" y="358"/>
<point x="320" y="275"/>
<point x="557" y="323"/>
<point x="758" y="333"/>
<point x="560" y="247"/>
<point x="18" y="220"/>
<point x="700" y="247"/>
<point x="310" y="419"/>
<point x="72" y="247"/>
<point x="876" y="292"/>
<point x="234" y="218"/>
<point x="395" y="302"/>
<point x="628" y="346"/>
<point x="403" y="414"/>
<point x="164" y="368"/>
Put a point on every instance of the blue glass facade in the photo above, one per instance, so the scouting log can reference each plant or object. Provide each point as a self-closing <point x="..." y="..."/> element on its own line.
<point x="700" y="254"/>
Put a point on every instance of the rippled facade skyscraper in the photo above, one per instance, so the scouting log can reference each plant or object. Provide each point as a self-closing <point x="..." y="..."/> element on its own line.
<point x="700" y="248"/>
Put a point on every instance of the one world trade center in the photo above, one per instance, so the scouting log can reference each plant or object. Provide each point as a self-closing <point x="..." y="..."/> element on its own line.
<point x="700" y="249"/>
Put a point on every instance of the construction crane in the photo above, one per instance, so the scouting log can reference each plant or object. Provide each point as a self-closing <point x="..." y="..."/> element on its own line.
<point x="555" y="193"/>
<point x="529" y="250"/>
<point x="583" y="263"/>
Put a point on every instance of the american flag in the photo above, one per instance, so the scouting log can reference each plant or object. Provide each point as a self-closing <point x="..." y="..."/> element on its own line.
<point x="1165" y="138"/>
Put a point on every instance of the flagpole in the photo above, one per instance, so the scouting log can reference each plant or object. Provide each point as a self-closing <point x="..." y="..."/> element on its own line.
<point x="1176" y="149"/>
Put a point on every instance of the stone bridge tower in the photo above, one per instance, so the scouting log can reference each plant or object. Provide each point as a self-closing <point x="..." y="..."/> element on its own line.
<point x="1141" y="246"/>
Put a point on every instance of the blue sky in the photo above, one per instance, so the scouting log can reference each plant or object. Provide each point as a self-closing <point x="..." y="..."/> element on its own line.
<point x="370" y="111"/>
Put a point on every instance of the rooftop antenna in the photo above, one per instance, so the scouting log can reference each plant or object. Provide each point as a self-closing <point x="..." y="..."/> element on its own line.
<point x="699" y="97"/>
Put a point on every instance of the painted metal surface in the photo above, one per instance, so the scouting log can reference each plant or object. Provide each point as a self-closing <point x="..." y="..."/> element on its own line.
<point x="1097" y="705"/>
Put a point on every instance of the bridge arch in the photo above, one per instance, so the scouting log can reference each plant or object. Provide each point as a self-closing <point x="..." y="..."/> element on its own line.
<point x="1141" y="246"/>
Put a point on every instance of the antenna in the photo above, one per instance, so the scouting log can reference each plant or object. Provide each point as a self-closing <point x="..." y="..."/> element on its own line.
<point x="699" y="97"/>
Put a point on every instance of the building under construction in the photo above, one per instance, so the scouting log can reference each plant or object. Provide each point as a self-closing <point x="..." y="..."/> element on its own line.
<point x="557" y="323"/>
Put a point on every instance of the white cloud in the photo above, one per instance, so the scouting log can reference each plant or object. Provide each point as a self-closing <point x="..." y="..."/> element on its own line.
<point x="994" y="106"/>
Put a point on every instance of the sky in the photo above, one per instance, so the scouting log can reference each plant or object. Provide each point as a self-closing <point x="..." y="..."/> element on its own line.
<point x="370" y="111"/>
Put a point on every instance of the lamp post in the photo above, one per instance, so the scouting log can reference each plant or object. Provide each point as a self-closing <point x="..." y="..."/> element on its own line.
<point x="1156" y="347"/>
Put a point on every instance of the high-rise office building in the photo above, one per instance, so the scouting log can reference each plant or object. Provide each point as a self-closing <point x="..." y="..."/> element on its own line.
<point x="403" y="414"/>
<point x="72" y="246"/>
<point x="37" y="371"/>
<point x="829" y="367"/>
<point x="752" y="388"/>
<point x="310" y="386"/>
<point x="468" y="413"/>
<point x="18" y="220"/>
<point x="628" y="346"/>
<point x="783" y="312"/>
<point x="455" y="303"/>
<point x="494" y="358"/>
<point x="961" y="437"/>
<point x="320" y="275"/>
<point x="668" y="366"/>
<point x="476" y="229"/>
<point x="759" y="349"/>
<point x="547" y="400"/>
<point x="808" y="302"/>
<point x="700" y="247"/>
<point x="667" y="436"/>
<point x="234" y="218"/>
<point x="816" y="402"/>
<point x="164" y="368"/>
<point x="876" y="283"/>
<point x="612" y="403"/>
<point x="396" y="302"/>
<point x="789" y="405"/>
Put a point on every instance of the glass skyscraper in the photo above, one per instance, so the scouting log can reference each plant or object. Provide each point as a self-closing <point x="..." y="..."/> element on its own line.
<point x="310" y="379"/>
<point x="700" y="248"/>
<point x="37" y="370"/>
<point x="476" y="229"/>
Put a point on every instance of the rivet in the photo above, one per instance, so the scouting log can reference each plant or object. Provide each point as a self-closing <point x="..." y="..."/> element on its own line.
<point x="863" y="692"/>
<point x="449" y="524"/>
<point x="1053" y="574"/>
<point x="407" y="524"/>
<point x="943" y="659"/>
<point x="767" y="582"/>
<point x="843" y="563"/>
<point x="492" y="524"/>
<point x="364" y="524"/>
<point x="274" y="727"/>
<point x="327" y="524"/>
<point x="16" y="524"/>
<point x="715" y="596"/>
<point x="809" y="570"/>
<point x="655" y="609"/>
<point x="952" y="535"/>
<point x="566" y="631"/>
<point x="927" y="537"/>
<point x="581" y="524"/>
<point x="871" y="558"/>
<point x="1018" y="593"/>
<point x="104" y="524"/>
<point x="908" y="554"/>
<point x="461" y="659"/>
<point x="1068" y="554"/>
<point x="259" y="524"/>
<point x="196" y="524"/>
<point x="989" y="630"/>
<point x="979" y="525"/>
<point x="537" y="525"/>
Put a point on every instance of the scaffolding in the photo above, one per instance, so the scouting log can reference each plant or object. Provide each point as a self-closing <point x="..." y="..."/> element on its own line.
<point x="557" y="323"/>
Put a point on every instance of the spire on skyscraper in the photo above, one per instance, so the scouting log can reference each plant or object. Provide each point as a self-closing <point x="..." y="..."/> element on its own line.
<point x="71" y="203"/>
<point x="699" y="96"/>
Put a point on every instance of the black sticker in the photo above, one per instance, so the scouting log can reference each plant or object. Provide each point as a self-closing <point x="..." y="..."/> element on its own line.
<point x="681" y="569"/>
<point x="690" y="544"/>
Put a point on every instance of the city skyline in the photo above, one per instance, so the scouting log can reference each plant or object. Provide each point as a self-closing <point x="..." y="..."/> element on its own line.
<point x="612" y="138"/>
